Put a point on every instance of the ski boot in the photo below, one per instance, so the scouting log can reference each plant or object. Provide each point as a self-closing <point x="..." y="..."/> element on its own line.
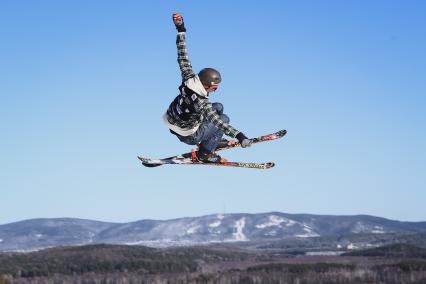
<point x="203" y="155"/>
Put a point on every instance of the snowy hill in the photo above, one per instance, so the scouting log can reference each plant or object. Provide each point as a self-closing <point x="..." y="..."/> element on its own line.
<point x="42" y="233"/>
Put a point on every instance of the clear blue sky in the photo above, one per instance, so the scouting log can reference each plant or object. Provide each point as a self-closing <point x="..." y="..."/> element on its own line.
<point x="84" y="85"/>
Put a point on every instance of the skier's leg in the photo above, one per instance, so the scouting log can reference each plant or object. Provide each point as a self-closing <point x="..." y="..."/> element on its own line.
<point x="206" y="132"/>
<point x="211" y="138"/>
<point x="190" y="140"/>
<point x="212" y="135"/>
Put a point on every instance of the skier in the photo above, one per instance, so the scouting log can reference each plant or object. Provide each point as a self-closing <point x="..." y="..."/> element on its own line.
<point x="191" y="116"/>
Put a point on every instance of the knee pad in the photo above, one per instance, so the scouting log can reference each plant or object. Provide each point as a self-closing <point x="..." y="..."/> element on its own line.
<point x="224" y="118"/>
<point x="218" y="107"/>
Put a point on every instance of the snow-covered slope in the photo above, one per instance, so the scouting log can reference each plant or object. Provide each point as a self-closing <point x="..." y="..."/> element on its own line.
<point x="42" y="233"/>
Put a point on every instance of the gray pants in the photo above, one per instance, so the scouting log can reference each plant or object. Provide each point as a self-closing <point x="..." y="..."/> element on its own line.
<point x="207" y="134"/>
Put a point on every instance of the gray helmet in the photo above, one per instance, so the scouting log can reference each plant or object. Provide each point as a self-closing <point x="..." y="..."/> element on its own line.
<point x="209" y="76"/>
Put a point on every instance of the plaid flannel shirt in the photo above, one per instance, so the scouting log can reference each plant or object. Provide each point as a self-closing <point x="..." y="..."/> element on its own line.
<point x="192" y="106"/>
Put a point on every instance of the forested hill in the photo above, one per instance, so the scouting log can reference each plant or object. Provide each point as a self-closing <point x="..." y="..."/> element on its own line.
<point x="136" y="264"/>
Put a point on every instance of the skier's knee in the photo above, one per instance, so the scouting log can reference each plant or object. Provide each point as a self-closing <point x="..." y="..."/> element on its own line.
<point x="218" y="107"/>
<point x="224" y="118"/>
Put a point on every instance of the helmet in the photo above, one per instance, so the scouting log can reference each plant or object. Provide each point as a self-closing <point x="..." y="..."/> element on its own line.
<point x="209" y="77"/>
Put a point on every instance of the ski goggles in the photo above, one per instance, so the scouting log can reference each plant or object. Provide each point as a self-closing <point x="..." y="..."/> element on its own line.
<point x="213" y="87"/>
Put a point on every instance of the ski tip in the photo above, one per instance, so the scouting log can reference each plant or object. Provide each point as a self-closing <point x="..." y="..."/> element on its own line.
<point x="269" y="165"/>
<point x="150" y="165"/>
<point x="146" y="164"/>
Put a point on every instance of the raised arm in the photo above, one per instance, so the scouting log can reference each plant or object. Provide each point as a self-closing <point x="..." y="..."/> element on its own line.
<point x="183" y="59"/>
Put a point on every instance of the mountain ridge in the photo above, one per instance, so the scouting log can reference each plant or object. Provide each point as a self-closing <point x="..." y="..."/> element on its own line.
<point x="33" y="234"/>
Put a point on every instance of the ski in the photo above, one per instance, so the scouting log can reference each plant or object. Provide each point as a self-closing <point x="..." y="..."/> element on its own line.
<point x="234" y="144"/>
<point x="185" y="159"/>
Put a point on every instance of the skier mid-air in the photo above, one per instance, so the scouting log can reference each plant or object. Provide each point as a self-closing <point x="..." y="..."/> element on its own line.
<point x="196" y="121"/>
<point x="191" y="116"/>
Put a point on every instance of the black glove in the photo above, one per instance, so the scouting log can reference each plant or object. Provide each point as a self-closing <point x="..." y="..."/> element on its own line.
<point x="178" y="21"/>
<point x="244" y="141"/>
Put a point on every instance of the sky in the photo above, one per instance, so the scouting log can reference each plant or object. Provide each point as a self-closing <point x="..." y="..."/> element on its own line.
<point x="84" y="85"/>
